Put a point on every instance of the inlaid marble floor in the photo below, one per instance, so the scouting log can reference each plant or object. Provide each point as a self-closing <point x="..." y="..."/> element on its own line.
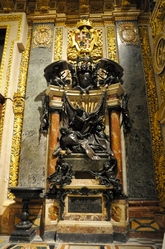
<point x="37" y="243"/>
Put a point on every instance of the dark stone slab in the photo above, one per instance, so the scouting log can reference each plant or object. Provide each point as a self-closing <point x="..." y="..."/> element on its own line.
<point x="139" y="158"/>
<point x="81" y="162"/>
<point x="84" y="204"/>
<point x="33" y="147"/>
<point x="49" y="235"/>
<point x="121" y="237"/>
<point x="85" y="238"/>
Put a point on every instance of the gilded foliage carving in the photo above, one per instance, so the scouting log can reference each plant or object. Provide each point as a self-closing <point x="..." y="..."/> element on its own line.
<point x="111" y="38"/>
<point x="162" y="86"/>
<point x="58" y="44"/>
<point x="157" y="142"/>
<point x="18" y="106"/>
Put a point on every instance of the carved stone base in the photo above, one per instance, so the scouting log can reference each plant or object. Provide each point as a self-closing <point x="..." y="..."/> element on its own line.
<point x="83" y="231"/>
<point x="23" y="235"/>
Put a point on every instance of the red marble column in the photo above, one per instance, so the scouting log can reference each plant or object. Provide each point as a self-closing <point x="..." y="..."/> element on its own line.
<point x="116" y="141"/>
<point x="53" y="139"/>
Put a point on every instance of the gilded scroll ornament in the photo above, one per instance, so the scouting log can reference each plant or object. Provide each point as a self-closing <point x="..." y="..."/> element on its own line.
<point x="18" y="107"/>
<point x="157" y="142"/>
<point x="7" y="5"/>
<point x="128" y="33"/>
<point x="43" y="5"/>
<point x="42" y="36"/>
<point x="159" y="53"/>
<point x="157" y="18"/>
<point x="84" y="6"/>
<point x="84" y="40"/>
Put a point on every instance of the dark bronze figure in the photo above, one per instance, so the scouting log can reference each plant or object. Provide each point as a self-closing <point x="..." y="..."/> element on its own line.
<point x="84" y="132"/>
<point x="108" y="72"/>
<point x="84" y="70"/>
<point x="108" y="178"/>
<point x="57" y="73"/>
<point x="62" y="175"/>
<point x="45" y="117"/>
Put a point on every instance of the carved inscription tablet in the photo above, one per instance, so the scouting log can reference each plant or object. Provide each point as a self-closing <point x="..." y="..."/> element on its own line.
<point x="85" y="205"/>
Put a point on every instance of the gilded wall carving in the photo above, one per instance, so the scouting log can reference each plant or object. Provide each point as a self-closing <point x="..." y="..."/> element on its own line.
<point x="128" y="33"/>
<point x="18" y="106"/>
<point x="84" y="40"/>
<point x="111" y="39"/>
<point x="42" y="36"/>
<point x="158" y="32"/>
<point x="7" y="18"/>
<point x="58" y="44"/>
<point x="157" y="143"/>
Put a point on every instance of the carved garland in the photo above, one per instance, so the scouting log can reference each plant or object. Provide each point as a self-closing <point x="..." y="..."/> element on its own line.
<point x="157" y="142"/>
<point x="18" y="106"/>
<point x="7" y="19"/>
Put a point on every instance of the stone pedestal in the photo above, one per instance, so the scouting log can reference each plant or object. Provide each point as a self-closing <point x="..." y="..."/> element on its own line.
<point x="120" y="221"/>
<point x="84" y="231"/>
<point x="23" y="235"/>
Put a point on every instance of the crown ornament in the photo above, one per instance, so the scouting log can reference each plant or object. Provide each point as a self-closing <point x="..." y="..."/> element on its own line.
<point x="84" y="22"/>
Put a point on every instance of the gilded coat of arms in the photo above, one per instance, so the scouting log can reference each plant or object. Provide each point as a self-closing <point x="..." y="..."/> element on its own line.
<point x="84" y="40"/>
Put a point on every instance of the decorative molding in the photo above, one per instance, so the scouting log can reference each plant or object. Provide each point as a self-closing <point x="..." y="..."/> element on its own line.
<point x="7" y="18"/>
<point x="18" y="106"/>
<point x="7" y="27"/>
<point x="157" y="142"/>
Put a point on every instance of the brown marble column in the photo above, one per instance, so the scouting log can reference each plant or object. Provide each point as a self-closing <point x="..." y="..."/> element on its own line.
<point x="116" y="140"/>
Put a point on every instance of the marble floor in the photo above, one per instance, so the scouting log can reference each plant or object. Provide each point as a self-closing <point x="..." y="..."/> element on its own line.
<point x="37" y="243"/>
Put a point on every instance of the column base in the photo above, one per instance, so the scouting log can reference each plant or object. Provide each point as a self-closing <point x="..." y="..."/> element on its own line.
<point x="23" y="235"/>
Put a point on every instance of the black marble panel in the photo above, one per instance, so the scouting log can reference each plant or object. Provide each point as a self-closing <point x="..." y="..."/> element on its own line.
<point x="33" y="148"/>
<point x="139" y="158"/>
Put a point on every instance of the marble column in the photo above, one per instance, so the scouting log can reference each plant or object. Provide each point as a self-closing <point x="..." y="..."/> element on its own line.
<point x="54" y="132"/>
<point x="116" y="140"/>
<point x="54" y="135"/>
